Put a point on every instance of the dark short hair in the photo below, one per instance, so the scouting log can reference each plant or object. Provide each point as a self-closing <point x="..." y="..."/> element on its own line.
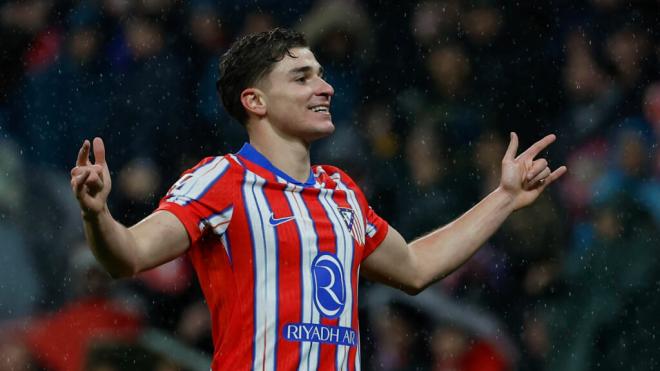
<point x="248" y="60"/>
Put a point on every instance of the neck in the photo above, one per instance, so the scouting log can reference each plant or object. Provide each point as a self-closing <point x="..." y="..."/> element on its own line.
<point x="290" y="156"/>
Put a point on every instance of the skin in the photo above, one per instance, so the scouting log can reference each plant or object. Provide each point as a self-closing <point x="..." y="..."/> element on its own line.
<point x="282" y="127"/>
<point x="412" y="267"/>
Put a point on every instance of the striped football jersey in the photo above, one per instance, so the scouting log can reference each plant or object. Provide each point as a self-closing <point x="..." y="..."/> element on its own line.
<point x="278" y="260"/>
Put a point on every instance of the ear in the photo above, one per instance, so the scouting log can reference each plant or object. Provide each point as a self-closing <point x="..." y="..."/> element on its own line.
<point x="253" y="101"/>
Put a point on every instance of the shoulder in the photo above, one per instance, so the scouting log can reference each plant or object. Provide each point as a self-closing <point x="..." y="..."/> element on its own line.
<point x="207" y="173"/>
<point x="215" y="165"/>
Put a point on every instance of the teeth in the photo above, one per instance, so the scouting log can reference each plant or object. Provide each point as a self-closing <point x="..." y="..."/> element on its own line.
<point x="320" y="109"/>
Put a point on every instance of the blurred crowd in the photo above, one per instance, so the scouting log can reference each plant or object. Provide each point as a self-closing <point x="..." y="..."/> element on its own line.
<point x="426" y="94"/>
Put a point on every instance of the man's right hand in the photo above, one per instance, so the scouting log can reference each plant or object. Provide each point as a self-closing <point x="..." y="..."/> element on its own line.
<point x="123" y="252"/>
<point x="91" y="181"/>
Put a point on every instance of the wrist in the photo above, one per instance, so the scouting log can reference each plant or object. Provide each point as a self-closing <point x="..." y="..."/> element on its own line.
<point x="506" y="198"/>
<point x="92" y="216"/>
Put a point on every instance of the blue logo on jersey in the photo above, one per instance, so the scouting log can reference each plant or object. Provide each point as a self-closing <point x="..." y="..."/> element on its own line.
<point x="277" y="221"/>
<point x="329" y="285"/>
<point x="318" y="333"/>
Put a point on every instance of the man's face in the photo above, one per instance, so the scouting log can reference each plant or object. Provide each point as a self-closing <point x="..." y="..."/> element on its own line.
<point x="297" y="98"/>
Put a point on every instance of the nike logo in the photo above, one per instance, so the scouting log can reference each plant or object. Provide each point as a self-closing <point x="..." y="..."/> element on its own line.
<point x="277" y="221"/>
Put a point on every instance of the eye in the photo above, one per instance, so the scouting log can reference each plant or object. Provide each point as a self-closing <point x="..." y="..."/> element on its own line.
<point x="301" y="79"/>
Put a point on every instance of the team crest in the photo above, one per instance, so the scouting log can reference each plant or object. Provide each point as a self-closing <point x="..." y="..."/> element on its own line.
<point x="353" y="225"/>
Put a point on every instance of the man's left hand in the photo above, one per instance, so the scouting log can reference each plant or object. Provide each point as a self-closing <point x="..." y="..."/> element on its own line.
<point x="523" y="177"/>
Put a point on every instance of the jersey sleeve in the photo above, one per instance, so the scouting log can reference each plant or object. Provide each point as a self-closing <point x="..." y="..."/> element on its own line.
<point x="202" y="197"/>
<point x="376" y="230"/>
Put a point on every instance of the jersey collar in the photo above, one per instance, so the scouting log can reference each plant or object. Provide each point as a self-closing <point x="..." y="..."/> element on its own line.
<point x="251" y="154"/>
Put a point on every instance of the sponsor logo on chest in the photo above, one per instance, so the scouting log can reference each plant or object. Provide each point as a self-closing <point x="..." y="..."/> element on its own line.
<point x="329" y="295"/>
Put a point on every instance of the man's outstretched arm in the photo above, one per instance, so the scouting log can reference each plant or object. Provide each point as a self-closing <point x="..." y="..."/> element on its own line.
<point x="414" y="266"/>
<point x="122" y="251"/>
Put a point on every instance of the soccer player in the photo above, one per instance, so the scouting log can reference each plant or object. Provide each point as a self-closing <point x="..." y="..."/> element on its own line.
<point x="278" y="244"/>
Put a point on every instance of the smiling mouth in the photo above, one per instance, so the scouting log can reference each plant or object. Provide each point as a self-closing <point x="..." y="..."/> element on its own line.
<point x="321" y="109"/>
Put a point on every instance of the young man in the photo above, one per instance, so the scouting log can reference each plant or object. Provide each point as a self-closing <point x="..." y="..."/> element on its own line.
<point x="278" y="244"/>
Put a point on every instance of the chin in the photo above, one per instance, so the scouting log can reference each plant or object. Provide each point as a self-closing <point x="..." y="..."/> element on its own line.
<point x="328" y="128"/>
<point x="322" y="131"/>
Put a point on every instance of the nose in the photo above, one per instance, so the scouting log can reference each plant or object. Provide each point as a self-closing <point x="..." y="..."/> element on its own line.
<point x="325" y="88"/>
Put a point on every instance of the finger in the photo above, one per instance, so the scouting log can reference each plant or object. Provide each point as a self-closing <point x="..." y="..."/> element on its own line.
<point x="98" y="170"/>
<point x="555" y="175"/>
<point x="83" y="154"/>
<point x="99" y="151"/>
<point x="75" y="171"/>
<point x="537" y="147"/>
<point x="78" y="181"/>
<point x="513" y="147"/>
<point x="537" y="167"/>
<point x="94" y="183"/>
<point x="540" y="178"/>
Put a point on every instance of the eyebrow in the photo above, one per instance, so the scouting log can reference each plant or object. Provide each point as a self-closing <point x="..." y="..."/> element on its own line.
<point x="305" y="69"/>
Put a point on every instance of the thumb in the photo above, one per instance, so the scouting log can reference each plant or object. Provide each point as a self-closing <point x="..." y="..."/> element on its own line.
<point x="513" y="147"/>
